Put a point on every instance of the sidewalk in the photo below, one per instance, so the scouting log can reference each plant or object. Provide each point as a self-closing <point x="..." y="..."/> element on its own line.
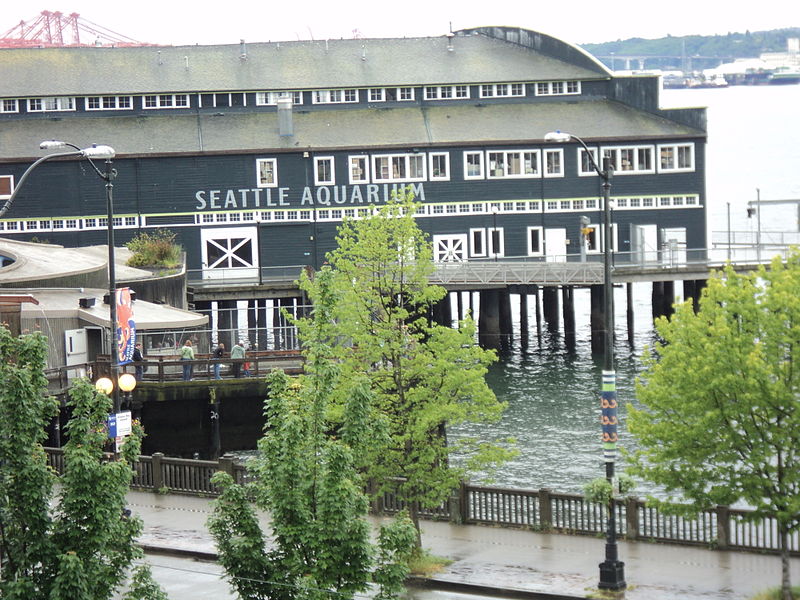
<point x="510" y="559"/>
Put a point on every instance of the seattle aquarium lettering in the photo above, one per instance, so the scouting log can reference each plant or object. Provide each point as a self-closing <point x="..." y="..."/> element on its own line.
<point x="250" y="198"/>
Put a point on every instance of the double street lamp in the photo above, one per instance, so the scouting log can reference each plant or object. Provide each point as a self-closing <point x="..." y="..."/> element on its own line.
<point x="612" y="570"/>
<point x="92" y="153"/>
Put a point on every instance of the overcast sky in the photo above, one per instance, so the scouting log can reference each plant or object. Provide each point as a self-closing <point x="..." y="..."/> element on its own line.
<point x="178" y="22"/>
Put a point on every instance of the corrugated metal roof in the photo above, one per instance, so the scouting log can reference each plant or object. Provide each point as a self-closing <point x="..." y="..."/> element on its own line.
<point x="302" y="65"/>
<point x="330" y="129"/>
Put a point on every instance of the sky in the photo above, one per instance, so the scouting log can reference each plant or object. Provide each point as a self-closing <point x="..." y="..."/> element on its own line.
<point x="178" y="22"/>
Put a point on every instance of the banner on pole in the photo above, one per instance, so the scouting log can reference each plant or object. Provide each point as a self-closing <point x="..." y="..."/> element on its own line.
<point x="126" y="327"/>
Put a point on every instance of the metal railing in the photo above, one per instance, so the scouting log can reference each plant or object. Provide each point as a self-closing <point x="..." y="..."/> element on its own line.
<point x="542" y="510"/>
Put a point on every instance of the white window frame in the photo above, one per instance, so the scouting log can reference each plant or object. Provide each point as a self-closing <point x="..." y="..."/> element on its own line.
<point x="557" y="88"/>
<point x="532" y="251"/>
<point x="9" y="105"/>
<point x="502" y="90"/>
<point x="52" y="104"/>
<point x="377" y="94"/>
<point x="537" y="164"/>
<point x="616" y="153"/>
<point x="554" y="152"/>
<point x="403" y="91"/>
<point x="675" y="152"/>
<point x="102" y="100"/>
<point x="481" y="163"/>
<point x="590" y="171"/>
<point x="270" y="98"/>
<point x="406" y="159"/>
<point x="445" y="92"/>
<point x="491" y="251"/>
<point x="266" y="184"/>
<point x="166" y="101"/>
<point x="10" y="179"/>
<point x="335" y="96"/>
<point x="317" y="179"/>
<point x="352" y="163"/>
<point x="446" y="175"/>
<point x="481" y="252"/>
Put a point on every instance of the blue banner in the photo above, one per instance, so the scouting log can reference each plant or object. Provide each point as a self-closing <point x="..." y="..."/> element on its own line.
<point x="126" y="327"/>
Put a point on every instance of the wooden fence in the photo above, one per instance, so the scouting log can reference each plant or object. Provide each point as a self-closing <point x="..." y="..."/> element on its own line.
<point x="723" y="528"/>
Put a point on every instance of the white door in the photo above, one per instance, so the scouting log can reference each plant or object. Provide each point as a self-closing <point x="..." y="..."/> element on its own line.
<point x="75" y="351"/>
<point x="450" y="248"/>
<point x="644" y="244"/>
<point x="555" y="245"/>
<point x="230" y="252"/>
<point x="673" y="245"/>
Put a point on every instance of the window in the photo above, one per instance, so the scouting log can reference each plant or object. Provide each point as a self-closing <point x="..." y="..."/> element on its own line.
<point x="446" y="92"/>
<point x="398" y="167"/>
<point x="590" y="236"/>
<point x="271" y="98"/>
<point x="473" y="165"/>
<point x="502" y="90"/>
<point x="267" y="172"/>
<point x="377" y="95"/>
<point x="439" y="166"/>
<point x="335" y="96"/>
<point x="359" y="169"/>
<point x="585" y="161"/>
<point x="405" y="94"/>
<point x="54" y="104"/>
<point x="6" y="186"/>
<point x="534" y="241"/>
<point x="496" y="242"/>
<point x="167" y="101"/>
<point x="9" y="105"/>
<point x="558" y="88"/>
<point x="676" y="157"/>
<point x="109" y="102"/>
<point x="522" y="163"/>
<point x="477" y="242"/>
<point x="630" y="159"/>
<point x="323" y="170"/>
<point x="554" y="163"/>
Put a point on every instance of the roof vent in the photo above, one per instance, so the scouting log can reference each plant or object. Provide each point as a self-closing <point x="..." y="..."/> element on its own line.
<point x="450" y="37"/>
<point x="285" y="124"/>
<point x="242" y="50"/>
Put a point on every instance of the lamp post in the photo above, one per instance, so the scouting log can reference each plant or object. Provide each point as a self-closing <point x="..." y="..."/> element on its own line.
<point x="93" y="152"/>
<point x="612" y="570"/>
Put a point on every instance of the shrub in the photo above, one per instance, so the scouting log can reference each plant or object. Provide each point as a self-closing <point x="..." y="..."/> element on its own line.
<point x="155" y="249"/>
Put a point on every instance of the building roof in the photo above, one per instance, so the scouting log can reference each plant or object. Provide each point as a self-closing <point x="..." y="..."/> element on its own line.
<point x="232" y="131"/>
<point x="474" y="56"/>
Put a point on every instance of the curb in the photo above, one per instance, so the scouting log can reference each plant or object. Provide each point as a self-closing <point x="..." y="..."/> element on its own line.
<point x="431" y="583"/>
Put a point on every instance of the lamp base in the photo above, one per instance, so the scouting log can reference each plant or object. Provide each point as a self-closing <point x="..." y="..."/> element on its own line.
<point x="612" y="575"/>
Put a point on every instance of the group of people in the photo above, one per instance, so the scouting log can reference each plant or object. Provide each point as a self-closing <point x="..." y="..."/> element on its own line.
<point x="239" y="367"/>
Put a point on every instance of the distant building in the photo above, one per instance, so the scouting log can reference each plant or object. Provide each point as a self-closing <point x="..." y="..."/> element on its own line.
<point x="253" y="153"/>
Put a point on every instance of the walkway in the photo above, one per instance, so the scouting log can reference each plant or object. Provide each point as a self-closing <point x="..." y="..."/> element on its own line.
<point x="561" y="565"/>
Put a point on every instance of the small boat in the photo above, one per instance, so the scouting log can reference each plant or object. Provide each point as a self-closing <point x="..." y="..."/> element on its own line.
<point x="784" y="75"/>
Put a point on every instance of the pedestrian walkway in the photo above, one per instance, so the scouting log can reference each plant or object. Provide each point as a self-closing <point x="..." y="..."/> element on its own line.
<point x="511" y="559"/>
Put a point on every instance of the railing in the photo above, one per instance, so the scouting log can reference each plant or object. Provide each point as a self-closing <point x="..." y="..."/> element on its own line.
<point x="200" y="278"/>
<point x="541" y="510"/>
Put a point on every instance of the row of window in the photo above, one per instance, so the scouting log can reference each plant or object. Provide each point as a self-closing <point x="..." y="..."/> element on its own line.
<point x="488" y="164"/>
<point x="270" y="98"/>
<point x="337" y="214"/>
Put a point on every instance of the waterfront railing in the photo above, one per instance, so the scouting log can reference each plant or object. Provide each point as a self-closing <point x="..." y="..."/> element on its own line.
<point x="722" y="527"/>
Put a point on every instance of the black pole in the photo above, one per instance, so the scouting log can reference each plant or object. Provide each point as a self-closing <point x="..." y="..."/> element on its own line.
<point x="109" y="175"/>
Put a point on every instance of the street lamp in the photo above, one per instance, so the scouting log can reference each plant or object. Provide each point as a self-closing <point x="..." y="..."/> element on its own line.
<point x="92" y="153"/>
<point x="612" y="570"/>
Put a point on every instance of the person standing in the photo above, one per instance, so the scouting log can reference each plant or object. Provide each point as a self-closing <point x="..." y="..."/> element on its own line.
<point x="237" y="353"/>
<point x="219" y="352"/>
<point x="138" y="358"/>
<point x="187" y="354"/>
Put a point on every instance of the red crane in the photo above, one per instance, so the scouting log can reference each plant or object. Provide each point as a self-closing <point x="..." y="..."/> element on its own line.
<point x="55" y="29"/>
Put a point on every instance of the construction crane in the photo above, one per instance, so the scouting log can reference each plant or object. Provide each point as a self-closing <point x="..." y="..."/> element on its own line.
<point x="54" y="29"/>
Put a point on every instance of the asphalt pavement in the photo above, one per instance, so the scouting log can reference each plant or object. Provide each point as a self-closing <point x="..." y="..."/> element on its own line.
<point x="489" y="561"/>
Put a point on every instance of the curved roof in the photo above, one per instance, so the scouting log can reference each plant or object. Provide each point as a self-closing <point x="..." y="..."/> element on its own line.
<point x="470" y="56"/>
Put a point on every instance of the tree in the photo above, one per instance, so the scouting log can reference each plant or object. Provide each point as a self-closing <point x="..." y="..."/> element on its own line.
<point x="84" y="545"/>
<point x="422" y="376"/>
<point x="720" y="419"/>
<point x="306" y="479"/>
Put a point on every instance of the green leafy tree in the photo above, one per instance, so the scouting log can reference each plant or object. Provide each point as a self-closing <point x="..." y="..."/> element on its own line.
<point x="720" y="418"/>
<point x="305" y="477"/>
<point x="423" y="376"/>
<point x="83" y="545"/>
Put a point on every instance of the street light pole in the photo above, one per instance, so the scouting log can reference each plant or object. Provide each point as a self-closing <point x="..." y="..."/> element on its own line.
<point x="612" y="570"/>
<point x="96" y="152"/>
